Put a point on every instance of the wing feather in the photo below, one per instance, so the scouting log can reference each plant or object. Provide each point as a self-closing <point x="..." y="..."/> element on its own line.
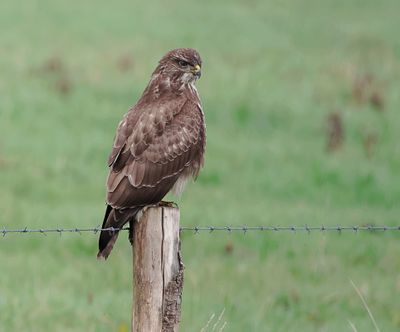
<point x="162" y="143"/>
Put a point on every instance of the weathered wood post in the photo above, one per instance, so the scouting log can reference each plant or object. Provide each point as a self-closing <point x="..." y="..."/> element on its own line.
<point x="157" y="272"/>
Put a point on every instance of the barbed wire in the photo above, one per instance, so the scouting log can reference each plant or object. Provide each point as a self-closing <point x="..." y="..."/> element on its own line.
<point x="210" y="229"/>
<point x="304" y="228"/>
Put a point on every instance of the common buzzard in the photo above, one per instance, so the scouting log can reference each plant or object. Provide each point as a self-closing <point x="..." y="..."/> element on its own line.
<point x="159" y="144"/>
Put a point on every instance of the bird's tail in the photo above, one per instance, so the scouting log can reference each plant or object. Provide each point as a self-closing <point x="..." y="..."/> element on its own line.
<point x="115" y="218"/>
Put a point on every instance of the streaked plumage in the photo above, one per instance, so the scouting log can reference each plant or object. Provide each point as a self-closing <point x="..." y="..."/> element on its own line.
<point x="159" y="143"/>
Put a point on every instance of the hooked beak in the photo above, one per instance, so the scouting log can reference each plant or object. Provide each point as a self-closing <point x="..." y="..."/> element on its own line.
<point x="197" y="71"/>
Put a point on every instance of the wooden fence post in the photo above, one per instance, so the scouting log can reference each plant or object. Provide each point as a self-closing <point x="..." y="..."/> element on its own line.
<point x="157" y="272"/>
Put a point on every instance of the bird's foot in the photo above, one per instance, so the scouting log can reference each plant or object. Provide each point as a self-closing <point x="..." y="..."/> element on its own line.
<point x="167" y="204"/>
<point x="159" y="204"/>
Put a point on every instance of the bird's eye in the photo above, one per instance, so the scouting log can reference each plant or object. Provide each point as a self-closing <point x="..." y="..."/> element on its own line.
<point x="183" y="63"/>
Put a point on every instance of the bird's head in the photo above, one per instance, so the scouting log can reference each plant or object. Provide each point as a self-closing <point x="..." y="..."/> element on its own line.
<point x="183" y="64"/>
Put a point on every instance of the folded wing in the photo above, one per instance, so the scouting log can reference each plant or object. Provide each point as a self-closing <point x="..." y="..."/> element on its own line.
<point x="152" y="148"/>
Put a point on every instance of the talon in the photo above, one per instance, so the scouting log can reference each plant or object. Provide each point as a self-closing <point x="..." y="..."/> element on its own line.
<point x="167" y="204"/>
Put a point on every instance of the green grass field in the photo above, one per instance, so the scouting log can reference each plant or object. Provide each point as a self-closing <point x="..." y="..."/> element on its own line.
<point x="273" y="72"/>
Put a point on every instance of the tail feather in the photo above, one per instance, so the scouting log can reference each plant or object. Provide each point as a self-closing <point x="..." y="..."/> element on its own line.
<point x="116" y="218"/>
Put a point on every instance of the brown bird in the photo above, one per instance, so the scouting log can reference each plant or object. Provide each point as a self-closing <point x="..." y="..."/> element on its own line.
<point x="159" y="144"/>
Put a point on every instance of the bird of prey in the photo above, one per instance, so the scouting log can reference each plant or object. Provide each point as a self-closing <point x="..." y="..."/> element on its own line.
<point x="159" y="144"/>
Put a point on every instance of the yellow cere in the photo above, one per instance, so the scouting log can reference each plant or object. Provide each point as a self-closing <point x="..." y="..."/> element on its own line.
<point x="197" y="68"/>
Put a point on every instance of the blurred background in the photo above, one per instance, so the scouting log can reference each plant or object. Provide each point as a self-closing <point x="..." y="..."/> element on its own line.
<point x="303" y="127"/>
